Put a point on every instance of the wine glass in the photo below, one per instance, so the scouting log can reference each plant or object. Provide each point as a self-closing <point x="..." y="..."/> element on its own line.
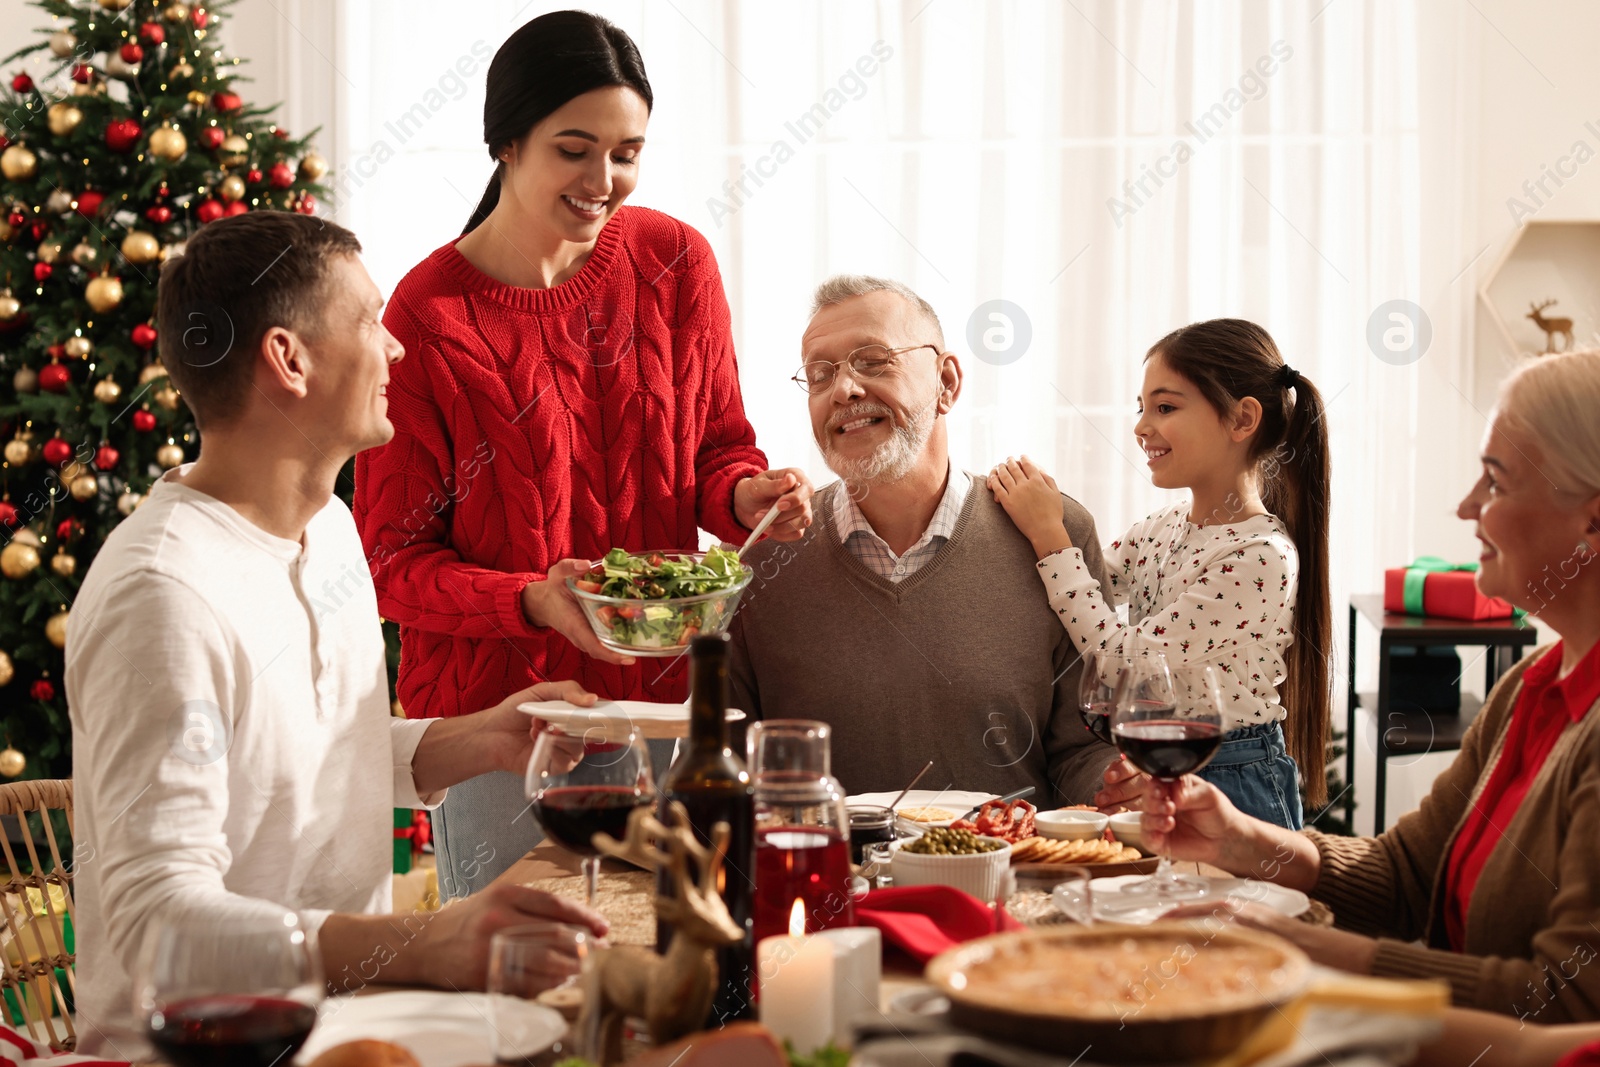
<point x="582" y="786"/>
<point x="240" y="991"/>
<point x="1097" y="690"/>
<point x="1168" y="724"/>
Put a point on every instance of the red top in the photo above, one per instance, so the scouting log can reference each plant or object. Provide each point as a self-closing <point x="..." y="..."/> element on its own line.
<point x="1582" y="1056"/>
<point x="1546" y="706"/>
<point x="534" y="425"/>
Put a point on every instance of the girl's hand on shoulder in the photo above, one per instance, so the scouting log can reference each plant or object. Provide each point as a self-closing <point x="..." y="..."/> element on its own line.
<point x="1031" y="498"/>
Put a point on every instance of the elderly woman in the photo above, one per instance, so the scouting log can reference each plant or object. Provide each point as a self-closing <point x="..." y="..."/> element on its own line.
<point x="1493" y="883"/>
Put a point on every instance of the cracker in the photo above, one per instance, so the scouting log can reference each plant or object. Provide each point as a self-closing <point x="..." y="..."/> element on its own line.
<point x="926" y="814"/>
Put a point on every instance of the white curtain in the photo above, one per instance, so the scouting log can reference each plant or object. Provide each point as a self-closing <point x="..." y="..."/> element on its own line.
<point x="1113" y="170"/>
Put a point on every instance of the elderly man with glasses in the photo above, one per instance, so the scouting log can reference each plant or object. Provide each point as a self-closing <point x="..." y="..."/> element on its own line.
<point x="909" y="617"/>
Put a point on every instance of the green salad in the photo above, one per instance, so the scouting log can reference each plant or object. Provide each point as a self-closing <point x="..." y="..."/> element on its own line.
<point x="660" y="577"/>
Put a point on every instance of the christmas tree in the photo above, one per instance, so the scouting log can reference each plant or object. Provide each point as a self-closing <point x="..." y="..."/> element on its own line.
<point x="133" y="139"/>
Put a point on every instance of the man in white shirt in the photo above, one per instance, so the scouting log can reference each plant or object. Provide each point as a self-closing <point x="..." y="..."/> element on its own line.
<point x="234" y="752"/>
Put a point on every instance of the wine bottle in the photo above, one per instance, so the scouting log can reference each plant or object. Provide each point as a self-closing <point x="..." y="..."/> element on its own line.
<point x="712" y="783"/>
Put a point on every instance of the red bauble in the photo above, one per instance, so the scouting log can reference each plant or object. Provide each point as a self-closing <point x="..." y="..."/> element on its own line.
<point x="89" y="202"/>
<point x="226" y="101"/>
<point x="281" y="175"/>
<point x="56" y="451"/>
<point x="43" y="690"/>
<point x="42" y="272"/>
<point x="17" y="220"/>
<point x="39" y="229"/>
<point x="122" y="134"/>
<point x="132" y="53"/>
<point x="152" y="33"/>
<point x="57" y="351"/>
<point x="22" y="83"/>
<point x="280" y="133"/>
<point x="54" y="378"/>
<point x="212" y="137"/>
<point x="82" y="73"/>
<point x="209" y="211"/>
<point x="8" y="514"/>
<point x="105" y="457"/>
<point x="143" y="421"/>
<point x="238" y="207"/>
<point x="307" y="205"/>
<point x="66" y="528"/>
<point x="253" y="175"/>
<point x="5" y="142"/>
<point x="201" y="16"/>
<point x="159" y="214"/>
<point x="144" y="335"/>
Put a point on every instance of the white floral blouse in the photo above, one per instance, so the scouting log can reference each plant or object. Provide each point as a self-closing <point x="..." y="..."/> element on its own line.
<point x="1222" y="595"/>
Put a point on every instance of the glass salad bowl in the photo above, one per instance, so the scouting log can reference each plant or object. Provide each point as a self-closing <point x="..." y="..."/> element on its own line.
<point x="653" y="603"/>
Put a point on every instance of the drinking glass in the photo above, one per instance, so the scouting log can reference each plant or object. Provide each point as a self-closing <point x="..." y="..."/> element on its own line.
<point x="525" y="961"/>
<point x="243" y="993"/>
<point x="1097" y="690"/>
<point x="582" y="786"/>
<point x="1168" y="724"/>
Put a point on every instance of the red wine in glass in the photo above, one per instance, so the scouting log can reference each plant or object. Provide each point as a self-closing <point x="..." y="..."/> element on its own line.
<point x="232" y="1030"/>
<point x="1168" y="748"/>
<point x="811" y="865"/>
<point x="1097" y="717"/>
<point x="571" y="815"/>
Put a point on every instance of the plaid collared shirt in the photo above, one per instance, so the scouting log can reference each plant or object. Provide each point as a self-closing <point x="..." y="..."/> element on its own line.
<point x="864" y="544"/>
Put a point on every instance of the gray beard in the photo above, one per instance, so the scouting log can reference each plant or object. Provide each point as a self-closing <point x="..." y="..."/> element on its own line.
<point x="891" y="461"/>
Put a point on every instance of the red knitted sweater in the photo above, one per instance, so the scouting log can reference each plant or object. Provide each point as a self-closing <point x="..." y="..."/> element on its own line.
<point x="533" y="425"/>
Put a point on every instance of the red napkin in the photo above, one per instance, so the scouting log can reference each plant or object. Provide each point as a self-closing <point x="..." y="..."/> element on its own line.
<point x="925" y="920"/>
<point x="16" y="1049"/>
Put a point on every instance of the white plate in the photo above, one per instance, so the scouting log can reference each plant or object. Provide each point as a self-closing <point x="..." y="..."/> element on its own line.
<point x="656" y="722"/>
<point x="1109" y="908"/>
<point x="439" y="1029"/>
<point x="959" y="801"/>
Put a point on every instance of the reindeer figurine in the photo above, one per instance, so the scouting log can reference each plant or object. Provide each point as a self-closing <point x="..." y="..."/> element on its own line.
<point x="673" y="992"/>
<point x="1552" y="328"/>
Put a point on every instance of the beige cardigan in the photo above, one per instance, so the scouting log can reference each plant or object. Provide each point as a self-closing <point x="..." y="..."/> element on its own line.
<point x="1533" y="925"/>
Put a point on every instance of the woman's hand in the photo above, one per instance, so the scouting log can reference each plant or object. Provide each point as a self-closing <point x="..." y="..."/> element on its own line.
<point x="789" y="488"/>
<point x="1124" y="788"/>
<point x="512" y="733"/>
<point x="1331" y="948"/>
<point x="1191" y="819"/>
<point x="550" y="603"/>
<point x="1031" y="498"/>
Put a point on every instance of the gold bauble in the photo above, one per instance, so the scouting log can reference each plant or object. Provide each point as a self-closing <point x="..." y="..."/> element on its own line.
<point x="55" y="629"/>
<point x="72" y="472"/>
<point x="18" y="163"/>
<point x="78" y="347"/>
<point x="180" y="71"/>
<point x="64" y="565"/>
<point x="62" y="44"/>
<point x="141" y="247"/>
<point x="10" y="306"/>
<point x="6" y="232"/>
<point x="166" y="397"/>
<point x="85" y="254"/>
<point x="63" y="118"/>
<point x="115" y="5"/>
<point x="7" y="671"/>
<point x="107" y="391"/>
<point x="175" y="12"/>
<point x="169" y="455"/>
<point x="168" y="143"/>
<point x="26" y="380"/>
<point x="313" y="167"/>
<point x="27" y="536"/>
<point x="85" y="488"/>
<point x="59" y="202"/>
<point x="18" y="560"/>
<point x="118" y="67"/>
<point x="231" y="187"/>
<point x="12" y="763"/>
<point x="18" y="451"/>
<point x="104" y="293"/>
<point x="197" y="98"/>
<point x="235" y="150"/>
<point x="128" y="502"/>
<point x="51" y="250"/>
<point x="152" y="371"/>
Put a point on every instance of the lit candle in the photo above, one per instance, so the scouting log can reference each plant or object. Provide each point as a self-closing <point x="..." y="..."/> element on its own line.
<point x="796" y="974"/>
<point x="857" y="974"/>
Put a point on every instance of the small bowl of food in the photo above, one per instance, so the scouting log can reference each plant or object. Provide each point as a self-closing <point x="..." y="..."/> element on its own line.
<point x="654" y="603"/>
<point x="1126" y="827"/>
<point x="1070" y="824"/>
<point x="957" y="858"/>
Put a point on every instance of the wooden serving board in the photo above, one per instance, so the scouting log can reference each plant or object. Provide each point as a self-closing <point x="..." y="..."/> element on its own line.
<point x="1147" y="865"/>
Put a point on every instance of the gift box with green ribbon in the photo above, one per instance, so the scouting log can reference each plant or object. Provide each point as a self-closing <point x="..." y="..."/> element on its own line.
<point x="1445" y="590"/>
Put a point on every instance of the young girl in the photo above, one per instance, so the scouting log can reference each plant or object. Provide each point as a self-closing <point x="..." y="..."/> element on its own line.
<point x="1237" y="576"/>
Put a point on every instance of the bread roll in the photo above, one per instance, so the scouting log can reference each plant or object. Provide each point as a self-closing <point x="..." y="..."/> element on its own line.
<point x="366" y="1054"/>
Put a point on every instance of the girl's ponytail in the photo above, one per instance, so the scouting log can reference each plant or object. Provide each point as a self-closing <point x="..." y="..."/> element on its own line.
<point x="1228" y="360"/>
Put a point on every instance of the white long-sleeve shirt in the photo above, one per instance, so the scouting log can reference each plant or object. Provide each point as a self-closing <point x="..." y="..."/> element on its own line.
<point x="233" y="748"/>
<point x="1219" y="595"/>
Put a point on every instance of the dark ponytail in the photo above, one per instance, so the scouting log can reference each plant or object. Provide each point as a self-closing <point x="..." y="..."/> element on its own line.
<point x="549" y="61"/>
<point x="1228" y="360"/>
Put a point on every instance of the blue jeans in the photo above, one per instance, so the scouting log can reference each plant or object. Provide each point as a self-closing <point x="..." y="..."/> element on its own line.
<point x="1254" y="769"/>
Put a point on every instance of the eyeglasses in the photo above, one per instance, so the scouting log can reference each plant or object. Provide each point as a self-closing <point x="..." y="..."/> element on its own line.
<point x="866" y="362"/>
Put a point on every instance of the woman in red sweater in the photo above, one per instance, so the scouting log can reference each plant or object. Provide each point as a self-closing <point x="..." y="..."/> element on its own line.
<point x="570" y="387"/>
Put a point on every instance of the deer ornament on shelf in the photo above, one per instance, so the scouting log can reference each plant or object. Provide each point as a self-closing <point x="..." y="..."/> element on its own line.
<point x="671" y="992"/>
<point x="1552" y="328"/>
